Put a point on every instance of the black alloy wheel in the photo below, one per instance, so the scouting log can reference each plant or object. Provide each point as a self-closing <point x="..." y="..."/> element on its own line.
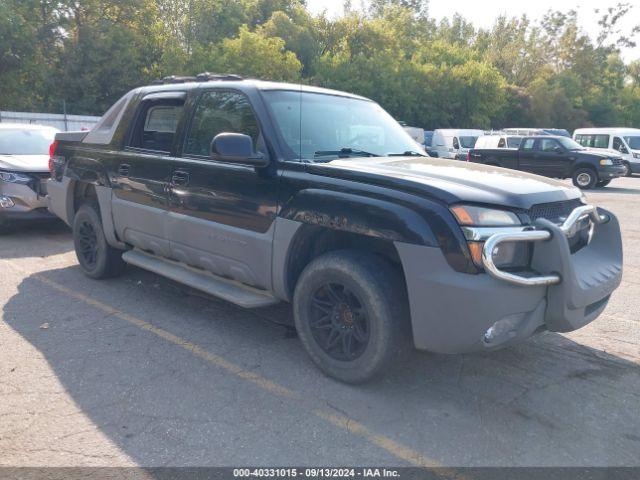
<point x="338" y="321"/>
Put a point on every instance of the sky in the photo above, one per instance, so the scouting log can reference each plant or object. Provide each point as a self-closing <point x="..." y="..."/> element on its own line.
<point x="482" y="13"/>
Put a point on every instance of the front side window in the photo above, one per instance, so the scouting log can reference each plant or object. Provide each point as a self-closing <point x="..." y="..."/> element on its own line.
<point x="548" y="144"/>
<point x="220" y="112"/>
<point x="619" y="146"/>
<point x="313" y="124"/>
<point x="633" y="142"/>
<point x="528" y="144"/>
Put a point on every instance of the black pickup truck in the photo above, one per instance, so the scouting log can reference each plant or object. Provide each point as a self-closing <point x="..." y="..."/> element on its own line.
<point x="262" y="192"/>
<point x="556" y="157"/>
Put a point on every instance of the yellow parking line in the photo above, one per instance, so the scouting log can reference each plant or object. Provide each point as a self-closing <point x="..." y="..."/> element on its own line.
<point x="341" y="421"/>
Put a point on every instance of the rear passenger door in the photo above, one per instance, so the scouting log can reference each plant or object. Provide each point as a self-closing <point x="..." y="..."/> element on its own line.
<point x="142" y="171"/>
<point x="221" y="214"/>
<point x="527" y="156"/>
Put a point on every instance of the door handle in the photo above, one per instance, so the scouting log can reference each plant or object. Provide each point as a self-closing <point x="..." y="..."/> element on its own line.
<point x="180" y="178"/>
<point x="123" y="170"/>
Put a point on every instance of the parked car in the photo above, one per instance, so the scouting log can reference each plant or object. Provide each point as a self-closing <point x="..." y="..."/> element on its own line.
<point x="556" y="157"/>
<point x="262" y="192"/>
<point x="454" y="143"/>
<point x="24" y="159"/>
<point x="428" y="141"/>
<point x="498" y="140"/>
<point x="416" y="133"/>
<point x="622" y="141"/>
<point x="528" y="132"/>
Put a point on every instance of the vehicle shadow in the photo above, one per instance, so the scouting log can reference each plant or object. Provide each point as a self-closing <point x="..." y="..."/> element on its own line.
<point x="610" y="189"/>
<point x="547" y="402"/>
<point x="46" y="238"/>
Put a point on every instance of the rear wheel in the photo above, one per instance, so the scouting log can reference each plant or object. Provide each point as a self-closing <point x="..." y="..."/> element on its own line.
<point x="585" y="178"/>
<point x="603" y="183"/>
<point x="351" y="315"/>
<point x="96" y="257"/>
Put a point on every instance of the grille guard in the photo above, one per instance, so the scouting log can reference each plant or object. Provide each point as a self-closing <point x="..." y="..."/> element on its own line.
<point x="569" y="227"/>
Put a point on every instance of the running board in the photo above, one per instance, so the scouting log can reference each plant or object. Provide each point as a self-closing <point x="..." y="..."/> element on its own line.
<point x="230" y="290"/>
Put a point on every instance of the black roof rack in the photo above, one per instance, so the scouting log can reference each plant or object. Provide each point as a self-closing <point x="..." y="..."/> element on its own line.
<point x="201" y="77"/>
<point x="173" y="79"/>
<point x="209" y="77"/>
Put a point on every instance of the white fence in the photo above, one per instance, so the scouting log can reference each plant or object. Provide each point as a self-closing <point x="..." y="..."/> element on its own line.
<point x="60" y="121"/>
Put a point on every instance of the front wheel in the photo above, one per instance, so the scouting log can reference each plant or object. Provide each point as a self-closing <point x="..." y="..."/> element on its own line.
<point x="350" y="312"/>
<point x="627" y="169"/>
<point x="96" y="257"/>
<point x="585" y="178"/>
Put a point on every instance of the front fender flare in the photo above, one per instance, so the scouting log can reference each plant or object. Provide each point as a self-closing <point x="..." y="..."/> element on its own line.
<point x="366" y="216"/>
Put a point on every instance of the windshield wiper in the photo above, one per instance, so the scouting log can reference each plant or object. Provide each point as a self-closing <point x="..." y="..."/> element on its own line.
<point x="344" y="153"/>
<point x="408" y="153"/>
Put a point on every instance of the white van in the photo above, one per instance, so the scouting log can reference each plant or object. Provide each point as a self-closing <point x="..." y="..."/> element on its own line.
<point x="454" y="143"/>
<point x="498" y="140"/>
<point x="623" y="141"/>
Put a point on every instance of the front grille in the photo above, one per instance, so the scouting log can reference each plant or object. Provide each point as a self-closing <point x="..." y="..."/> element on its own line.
<point x="555" y="212"/>
<point x="617" y="161"/>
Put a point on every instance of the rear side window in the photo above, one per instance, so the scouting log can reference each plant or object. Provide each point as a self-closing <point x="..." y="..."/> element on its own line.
<point x="514" y="142"/>
<point x="593" y="141"/>
<point x="156" y="124"/>
<point x="220" y="112"/>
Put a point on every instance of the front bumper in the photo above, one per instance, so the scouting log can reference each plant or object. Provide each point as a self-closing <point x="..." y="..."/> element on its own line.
<point x="24" y="203"/>
<point x="455" y="312"/>
<point x="611" y="172"/>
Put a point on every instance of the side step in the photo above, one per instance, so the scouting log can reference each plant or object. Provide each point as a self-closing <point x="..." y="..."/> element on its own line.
<point x="232" y="291"/>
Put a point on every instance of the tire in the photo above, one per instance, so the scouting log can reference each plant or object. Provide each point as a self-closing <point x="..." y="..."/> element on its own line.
<point x="359" y="298"/>
<point x="628" y="173"/>
<point x="96" y="257"/>
<point x="585" y="178"/>
<point x="603" y="183"/>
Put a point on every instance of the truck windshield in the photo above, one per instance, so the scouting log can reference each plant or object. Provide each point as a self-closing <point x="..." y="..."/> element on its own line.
<point x="570" y="144"/>
<point x="310" y="123"/>
<point x="633" y="142"/>
<point x="468" y="142"/>
<point x="27" y="141"/>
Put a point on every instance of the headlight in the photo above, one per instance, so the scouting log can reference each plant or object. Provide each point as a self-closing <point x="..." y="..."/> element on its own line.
<point x="11" y="177"/>
<point x="606" y="161"/>
<point x="484" y="217"/>
<point x="515" y="255"/>
<point x="636" y="155"/>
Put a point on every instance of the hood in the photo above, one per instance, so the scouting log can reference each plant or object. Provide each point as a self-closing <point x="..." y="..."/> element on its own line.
<point x="453" y="181"/>
<point x="602" y="152"/>
<point x="24" y="163"/>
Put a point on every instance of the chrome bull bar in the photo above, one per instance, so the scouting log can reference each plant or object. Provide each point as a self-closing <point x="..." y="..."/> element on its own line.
<point x="569" y="227"/>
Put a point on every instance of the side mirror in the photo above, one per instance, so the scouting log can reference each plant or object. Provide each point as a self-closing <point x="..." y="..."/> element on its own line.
<point x="236" y="148"/>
